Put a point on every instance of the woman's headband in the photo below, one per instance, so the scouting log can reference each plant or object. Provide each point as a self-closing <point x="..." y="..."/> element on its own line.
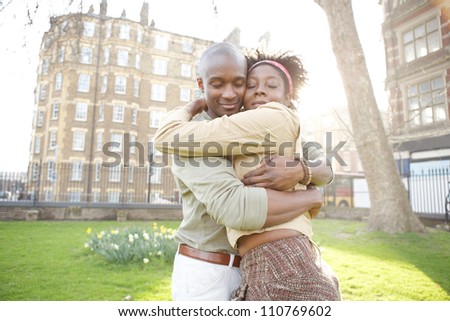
<point x="279" y="67"/>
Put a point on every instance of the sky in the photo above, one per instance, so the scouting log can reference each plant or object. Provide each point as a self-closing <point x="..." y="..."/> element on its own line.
<point x="299" y="26"/>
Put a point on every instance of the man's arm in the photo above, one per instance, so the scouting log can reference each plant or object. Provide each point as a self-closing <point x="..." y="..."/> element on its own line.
<point x="285" y="206"/>
<point x="236" y="206"/>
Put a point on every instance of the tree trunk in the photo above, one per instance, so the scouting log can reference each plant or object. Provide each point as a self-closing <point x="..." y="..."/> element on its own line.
<point x="390" y="208"/>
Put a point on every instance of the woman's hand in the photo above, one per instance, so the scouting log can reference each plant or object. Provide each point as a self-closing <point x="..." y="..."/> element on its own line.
<point x="197" y="106"/>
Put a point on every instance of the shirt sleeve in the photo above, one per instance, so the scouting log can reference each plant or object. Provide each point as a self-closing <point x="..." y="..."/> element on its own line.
<point x="245" y="133"/>
<point x="215" y="184"/>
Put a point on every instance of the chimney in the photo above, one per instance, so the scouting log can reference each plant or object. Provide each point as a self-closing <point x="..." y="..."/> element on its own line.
<point x="234" y="37"/>
<point x="264" y="41"/>
<point x="103" y="8"/>
<point x="144" y="14"/>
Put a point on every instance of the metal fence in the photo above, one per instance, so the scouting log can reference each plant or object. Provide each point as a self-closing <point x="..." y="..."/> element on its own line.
<point x="91" y="184"/>
<point x="429" y="191"/>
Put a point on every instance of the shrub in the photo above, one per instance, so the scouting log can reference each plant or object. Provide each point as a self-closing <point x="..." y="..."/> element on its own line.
<point x="134" y="244"/>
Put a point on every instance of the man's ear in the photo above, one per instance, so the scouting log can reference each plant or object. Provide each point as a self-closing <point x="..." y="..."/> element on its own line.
<point x="200" y="84"/>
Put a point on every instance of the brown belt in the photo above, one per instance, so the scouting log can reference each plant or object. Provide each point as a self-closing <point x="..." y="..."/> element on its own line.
<point x="211" y="257"/>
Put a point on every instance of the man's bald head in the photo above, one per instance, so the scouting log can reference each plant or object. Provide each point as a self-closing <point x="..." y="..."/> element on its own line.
<point x="222" y="49"/>
<point x="222" y="74"/>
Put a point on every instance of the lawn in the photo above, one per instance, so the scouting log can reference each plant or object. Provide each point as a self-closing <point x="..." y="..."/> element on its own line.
<point x="46" y="260"/>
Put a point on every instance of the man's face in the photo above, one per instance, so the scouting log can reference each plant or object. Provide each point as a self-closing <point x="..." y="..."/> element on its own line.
<point x="224" y="84"/>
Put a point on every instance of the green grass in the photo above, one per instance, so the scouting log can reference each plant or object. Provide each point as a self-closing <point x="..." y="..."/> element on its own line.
<point x="388" y="267"/>
<point x="47" y="261"/>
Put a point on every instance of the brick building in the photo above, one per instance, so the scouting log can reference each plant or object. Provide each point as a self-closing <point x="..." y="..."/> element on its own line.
<point x="104" y="80"/>
<point x="417" y="43"/>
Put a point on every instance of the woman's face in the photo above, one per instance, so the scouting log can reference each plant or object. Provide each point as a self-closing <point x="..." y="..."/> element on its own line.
<point x="265" y="84"/>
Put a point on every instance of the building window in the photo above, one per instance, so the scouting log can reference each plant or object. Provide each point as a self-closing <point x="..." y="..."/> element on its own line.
<point x="121" y="85"/>
<point x="86" y="55"/>
<point x="95" y="196"/>
<point x="55" y="110"/>
<point x="118" y="113"/>
<point x="114" y="197"/>
<point x="160" y="66"/>
<point x="48" y="42"/>
<point x="89" y="29"/>
<point x="84" y="81"/>
<point x="45" y="66"/>
<point x="185" y="94"/>
<point x="106" y="56"/>
<point x="78" y="141"/>
<point x="116" y="139"/>
<point x="101" y="112"/>
<point x="139" y="35"/>
<point x="37" y="144"/>
<point x="99" y="141"/>
<point x="35" y="172"/>
<point x="422" y="40"/>
<point x="48" y="195"/>
<point x="187" y="46"/>
<point x="108" y="30"/>
<point x="122" y="57"/>
<point x="58" y="81"/>
<point x="64" y="26"/>
<point x="40" y="118"/>
<point x="130" y="174"/>
<point x="124" y="32"/>
<point x="61" y="54"/>
<point x="104" y="84"/>
<point x="77" y="171"/>
<point x="43" y="92"/>
<point x="51" y="171"/>
<point x="133" y="147"/>
<point x="161" y="42"/>
<point x="75" y="196"/>
<point x="426" y="102"/>
<point x="155" y="118"/>
<point x="156" y="175"/>
<point x="114" y="174"/>
<point x="81" y="111"/>
<point x="52" y="141"/>
<point x="158" y="92"/>
<point x="98" y="171"/>
<point x="155" y="152"/>
<point x="137" y="63"/>
<point x="185" y="70"/>
<point x="136" y="88"/>
<point x="134" y="113"/>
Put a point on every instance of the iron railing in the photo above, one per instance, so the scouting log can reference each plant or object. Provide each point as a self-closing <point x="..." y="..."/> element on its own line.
<point x="68" y="183"/>
<point x="429" y="190"/>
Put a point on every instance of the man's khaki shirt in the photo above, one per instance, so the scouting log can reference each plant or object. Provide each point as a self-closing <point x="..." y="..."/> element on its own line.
<point x="214" y="198"/>
<point x="244" y="135"/>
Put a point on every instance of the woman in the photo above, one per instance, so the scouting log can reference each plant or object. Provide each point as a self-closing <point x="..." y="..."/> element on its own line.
<point x="280" y="262"/>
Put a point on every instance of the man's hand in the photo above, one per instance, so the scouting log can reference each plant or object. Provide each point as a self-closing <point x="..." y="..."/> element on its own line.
<point x="314" y="211"/>
<point x="275" y="172"/>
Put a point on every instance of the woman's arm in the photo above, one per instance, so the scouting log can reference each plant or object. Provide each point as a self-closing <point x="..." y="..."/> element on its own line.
<point x="246" y="133"/>
<point x="280" y="173"/>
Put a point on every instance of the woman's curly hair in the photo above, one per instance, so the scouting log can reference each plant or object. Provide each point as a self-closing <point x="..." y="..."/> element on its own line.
<point x="290" y="61"/>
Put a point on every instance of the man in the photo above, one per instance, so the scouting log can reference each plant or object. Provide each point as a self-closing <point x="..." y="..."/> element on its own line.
<point x="206" y="267"/>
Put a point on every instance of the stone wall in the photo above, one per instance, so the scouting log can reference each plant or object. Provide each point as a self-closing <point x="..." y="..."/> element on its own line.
<point x="345" y="213"/>
<point x="17" y="213"/>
